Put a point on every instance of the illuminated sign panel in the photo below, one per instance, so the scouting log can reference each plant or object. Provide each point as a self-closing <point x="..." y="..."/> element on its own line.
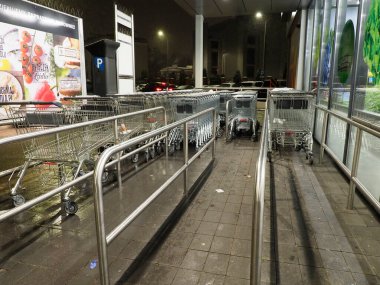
<point x="40" y="53"/>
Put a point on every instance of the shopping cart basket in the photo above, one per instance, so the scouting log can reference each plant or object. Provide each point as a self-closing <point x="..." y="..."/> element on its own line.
<point x="61" y="157"/>
<point x="200" y="129"/>
<point x="291" y="120"/>
<point x="241" y="115"/>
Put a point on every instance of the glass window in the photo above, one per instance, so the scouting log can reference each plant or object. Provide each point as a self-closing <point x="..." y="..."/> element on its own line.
<point x="317" y="34"/>
<point x="367" y="93"/>
<point x="346" y="29"/>
<point x="327" y="51"/>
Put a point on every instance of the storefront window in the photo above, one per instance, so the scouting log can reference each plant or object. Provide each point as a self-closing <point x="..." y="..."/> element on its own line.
<point x="317" y="35"/>
<point x="367" y="93"/>
<point x="327" y="51"/>
<point x="346" y="29"/>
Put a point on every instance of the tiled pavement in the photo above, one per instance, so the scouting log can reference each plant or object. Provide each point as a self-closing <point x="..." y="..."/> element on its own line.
<point x="309" y="235"/>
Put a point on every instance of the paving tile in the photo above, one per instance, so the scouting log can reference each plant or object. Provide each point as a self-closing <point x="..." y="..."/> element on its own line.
<point x="348" y="244"/>
<point x="374" y="262"/>
<point x="268" y="252"/>
<point x="243" y="232"/>
<point x="181" y="239"/>
<point x="337" y="277"/>
<point x="241" y="247"/>
<point x="287" y="253"/>
<point x="333" y="260"/>
<point x="229" y="218"/>
<point x="216" y="206"/>
<point x="216" y="263"/>
<point x="285" y="236"/>
<point x="201" y="242"/>
<point x="268" y="271"/>
<point x="289" y="274"/>
<point x="327" y="242"/>
<point x="232" y="208"/>
<point x="362" y="279"/>
<point x="159" y="274"/>
<point x="309" y="256"/>
<point x="357" y="263"/>
<point x="221" y="245"/>
<point x="225" y="230"/>
<point x="207" y="228"/>
<point x="369" y="246"/>
<point x="314" y="276"/>
<point x="211" y="279"/>
<point x="212" y="216"/>
<point x="186" y="277"/>
<point x="194" y="259"/>
<point x="239" y="267"/>
<point x="170" y="255"/>
<point x="235" y="281"/>
<point x="235" y="199"/>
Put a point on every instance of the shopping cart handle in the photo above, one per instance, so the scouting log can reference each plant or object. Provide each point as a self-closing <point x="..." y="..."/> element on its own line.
<point x="57" y="103"/>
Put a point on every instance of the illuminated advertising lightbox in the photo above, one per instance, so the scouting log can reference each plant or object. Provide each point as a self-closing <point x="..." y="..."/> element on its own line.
<point x="40" y="53"/>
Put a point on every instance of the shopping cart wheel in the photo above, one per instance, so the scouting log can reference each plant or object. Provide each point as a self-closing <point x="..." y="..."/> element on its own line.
<point x="135" y="158"/>
<point x="108" y="177"/>
<point x="152" y="152"/>
<point x="18" y="200"/>
<point x="171" y="148"/>
<point x="269" y="155"/>
<point x="310" y="159"/>
<point x="71" y="207"/>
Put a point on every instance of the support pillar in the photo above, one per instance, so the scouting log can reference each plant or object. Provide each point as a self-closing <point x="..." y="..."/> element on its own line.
<point x="198" y="69"/>
<point x="301" y="51"/>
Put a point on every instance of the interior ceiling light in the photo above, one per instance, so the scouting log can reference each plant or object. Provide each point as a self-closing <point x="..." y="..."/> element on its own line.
<point x="259" y="15"/>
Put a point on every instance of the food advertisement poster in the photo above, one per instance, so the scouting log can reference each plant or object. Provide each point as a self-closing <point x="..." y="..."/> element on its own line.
<point x="40" y="54"/>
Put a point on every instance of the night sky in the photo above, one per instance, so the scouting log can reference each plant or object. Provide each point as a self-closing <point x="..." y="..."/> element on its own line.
<point x="153" y="15"/>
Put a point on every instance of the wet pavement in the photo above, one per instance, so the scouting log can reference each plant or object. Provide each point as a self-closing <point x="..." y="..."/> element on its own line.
<point x="309" y="235"/>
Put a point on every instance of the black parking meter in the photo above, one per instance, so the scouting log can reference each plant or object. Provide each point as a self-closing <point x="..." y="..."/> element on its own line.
<point x="104" y="71"/>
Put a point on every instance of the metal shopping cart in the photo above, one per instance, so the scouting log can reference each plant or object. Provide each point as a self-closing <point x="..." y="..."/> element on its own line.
<point x="61" y="157"/>
<point x="200" y="130"/>
<point x="225" y="96"/>
<point x="291" y="120"/>
<point x="241" y="115"/>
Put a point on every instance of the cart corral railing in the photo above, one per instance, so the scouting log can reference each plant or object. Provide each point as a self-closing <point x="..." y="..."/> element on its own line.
<point x="4" y="215"/>
<point x="105" y="239"/>
<point x="362" y="126"/>
<point x="261" y="91"/>
<point x="258" y="206"/>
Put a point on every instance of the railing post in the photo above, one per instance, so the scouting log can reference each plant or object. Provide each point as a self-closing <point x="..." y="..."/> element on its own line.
<point x="99" y="222"/>
<point x="186" y="156"/>
<point x="354" y="171"/>
<point x="116" y="133"/>
<point x="324" y="133"/>
<point x="214" y="126"/>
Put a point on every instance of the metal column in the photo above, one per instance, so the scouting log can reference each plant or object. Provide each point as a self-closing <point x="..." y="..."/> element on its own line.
<point x="198" y="70"/>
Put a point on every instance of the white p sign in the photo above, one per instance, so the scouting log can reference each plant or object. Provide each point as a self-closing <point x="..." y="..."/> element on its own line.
<point x="99" y="63"/>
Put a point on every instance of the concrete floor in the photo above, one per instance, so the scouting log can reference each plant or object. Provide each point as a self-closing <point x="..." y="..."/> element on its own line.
<point x="309" y="236"/>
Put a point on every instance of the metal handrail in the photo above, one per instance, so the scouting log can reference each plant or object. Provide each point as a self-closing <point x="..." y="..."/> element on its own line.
<point x="258" y="206"/>
<point x="31" y="203"/>
<point x="352" y="174"/>
<point x="103" y="239"/>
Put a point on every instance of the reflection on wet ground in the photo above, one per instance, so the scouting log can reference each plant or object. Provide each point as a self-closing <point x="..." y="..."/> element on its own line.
<point x="45" y="246"/>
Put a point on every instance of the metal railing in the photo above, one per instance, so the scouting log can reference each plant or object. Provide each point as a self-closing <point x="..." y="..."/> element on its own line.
<point x="103" y="239"/>
<point x="352" y="174"/>
<point x="258" y="206"/>
<point x="31" y="203"/>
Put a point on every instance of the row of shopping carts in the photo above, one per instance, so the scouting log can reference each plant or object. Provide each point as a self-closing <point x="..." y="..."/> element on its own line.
<point x="69" y="154"/>
<point x="64" y="156"/>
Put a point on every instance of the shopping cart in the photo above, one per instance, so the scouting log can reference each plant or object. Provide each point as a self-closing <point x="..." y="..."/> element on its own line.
<point x="199" y="130"/>
<point x="241" y="115"/>
<point x="58" y="158"/>
<point x="224" y="97"/>
<point x="291" y="120"/>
